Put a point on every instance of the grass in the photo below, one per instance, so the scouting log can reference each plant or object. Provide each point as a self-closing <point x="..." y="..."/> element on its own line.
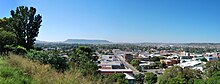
<point x="11" y="75"/>
<point x="45" y="74"/>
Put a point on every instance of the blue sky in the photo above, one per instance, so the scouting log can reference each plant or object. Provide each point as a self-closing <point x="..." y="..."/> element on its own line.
<point x="125" y="20"/>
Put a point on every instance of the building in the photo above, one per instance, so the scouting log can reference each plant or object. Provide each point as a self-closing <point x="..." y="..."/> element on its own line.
<point x="128" y="56"/>
<point x="114" y="71"/>
<point x="130" y="78"/>
<point x="193" y="64"/>
<point x="211" y="58"/>
<point x="110" y="62"/>
<point x="170" y="62"/>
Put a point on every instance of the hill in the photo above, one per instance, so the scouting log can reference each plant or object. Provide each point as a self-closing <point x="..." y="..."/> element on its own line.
<point x="38" y="41"/>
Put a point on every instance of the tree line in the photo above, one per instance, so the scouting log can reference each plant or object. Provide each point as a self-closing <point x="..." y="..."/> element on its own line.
<point x="21" y="29"/>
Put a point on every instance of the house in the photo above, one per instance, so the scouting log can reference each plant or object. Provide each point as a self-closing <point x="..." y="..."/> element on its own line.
<point x="110" y="62"/>
<point x="128" y="56"/>
<point x="170" y="62"/>
<point x="113" y="71"/>
<point x="193" y="64"/>
<point x="130" y="78"/>
<point x="211" y="58"/>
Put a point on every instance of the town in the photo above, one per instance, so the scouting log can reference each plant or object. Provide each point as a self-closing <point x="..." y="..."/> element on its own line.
<point x="134" y="59"/>
<point x="109" y="42"/>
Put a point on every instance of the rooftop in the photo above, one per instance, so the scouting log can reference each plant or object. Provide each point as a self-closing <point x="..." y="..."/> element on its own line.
<point x="115" y="70"/>
<point x="129" y="76"/>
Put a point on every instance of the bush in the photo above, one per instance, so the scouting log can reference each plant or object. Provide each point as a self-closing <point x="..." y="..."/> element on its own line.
<point x="150" y="78"/>
<point x="155" y="58"/>
<point x="58" y="62"/>
<point x="45" y="74"/>
<point x="204" y="59"/>
<point x="135" y="62"/>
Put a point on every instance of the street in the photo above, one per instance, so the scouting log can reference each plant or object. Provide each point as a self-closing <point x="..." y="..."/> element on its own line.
<point x="135" y="71"/>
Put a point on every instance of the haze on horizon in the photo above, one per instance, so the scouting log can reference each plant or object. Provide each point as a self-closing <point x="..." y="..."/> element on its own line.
<point x="161" y="21"/>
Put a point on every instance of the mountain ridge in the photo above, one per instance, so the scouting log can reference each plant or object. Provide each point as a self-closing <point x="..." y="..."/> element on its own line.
<point x="79" y="41"/>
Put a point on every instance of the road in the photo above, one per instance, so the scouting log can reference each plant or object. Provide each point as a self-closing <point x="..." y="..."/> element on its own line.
<point x="154" y="71"/>
<point x="135" y="71"/>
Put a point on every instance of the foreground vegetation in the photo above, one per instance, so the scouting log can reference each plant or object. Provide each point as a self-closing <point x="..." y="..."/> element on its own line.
<point x="15" y="69"/>
<point x="12" y="75"/>
<point x="178" y="75"/>
<point x="18" y="70"/>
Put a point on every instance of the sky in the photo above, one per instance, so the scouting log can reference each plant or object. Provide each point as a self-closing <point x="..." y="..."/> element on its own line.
<point x="166" y="21"/>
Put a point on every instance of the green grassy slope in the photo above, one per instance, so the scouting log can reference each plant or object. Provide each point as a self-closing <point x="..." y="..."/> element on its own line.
<point x="11" y="75"/>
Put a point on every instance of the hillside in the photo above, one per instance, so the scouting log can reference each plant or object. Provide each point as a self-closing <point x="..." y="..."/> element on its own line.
<point x="18" y="70"/>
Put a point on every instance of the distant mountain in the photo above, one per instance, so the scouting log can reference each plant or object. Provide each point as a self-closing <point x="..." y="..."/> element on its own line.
<point x="86" y="41"/>
<point x="38" y="41"/>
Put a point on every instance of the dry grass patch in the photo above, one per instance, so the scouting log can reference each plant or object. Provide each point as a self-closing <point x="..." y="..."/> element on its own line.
<point x="44" y="74"/>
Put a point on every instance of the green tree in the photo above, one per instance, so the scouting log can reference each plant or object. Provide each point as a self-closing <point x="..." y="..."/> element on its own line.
<point x="139" y="68"/>
<point x="163" y="65"/>
<point x="199" y="81"/>
<point x="204" y="59"/>
<point x="172" y="75"/>
<point x="20" y="50"/>
<point x="26" y="25"/>
<point x="139" y="78"/>
<point x="150" y="78"/>
<point x="58" y="62"/>
<point x="5" y="24"/>
<point x="161" y="57"/>
<point x="211" y="68"/>
<point x="214" y="79"/>
<point x="6" y="38"/>
<point x="178" y="75"/>
<point x="156" y="64"/>
<point x="155" y="58"/>
<point x="83" y="57"/>
<point x="135" y="62"/>
<point x="192" y="73"/>
<point x="119" y="78"/>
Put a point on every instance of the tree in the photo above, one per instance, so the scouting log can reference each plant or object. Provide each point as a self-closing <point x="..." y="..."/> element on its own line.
<point x="172" y="75"/>
<point x="139" y="68"/>
<point x="199" y="81"/>
<point x="161" y="57"/>
<point x="178" y="75"/>
<point x="204" y="59"/>
<point x="156" y="64"/>
<point x="26" y="25"/>
<point x="89" y="68"/>
<point x="20" y="50"/>
<point x="192" y="73"/>
<point x="5" y="24"/>
<point x="58" y="62"/>
<point x="6" y="38"/>
<point x="139" y="78"/>
<point x="84" y="59"/>
<point x="155" y="58"/>
<point x="83" y="54"/>
<point x="119" y="78"/>
<point x="163" y="65"/>
<point x="211" y="68"/>
<point x="150" y="78"/>
<point x="214" y="79"/>
<point x="135" y="62"/>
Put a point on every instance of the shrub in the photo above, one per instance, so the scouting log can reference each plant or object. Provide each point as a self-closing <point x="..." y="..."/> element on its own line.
<point x="45" y="74"/>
